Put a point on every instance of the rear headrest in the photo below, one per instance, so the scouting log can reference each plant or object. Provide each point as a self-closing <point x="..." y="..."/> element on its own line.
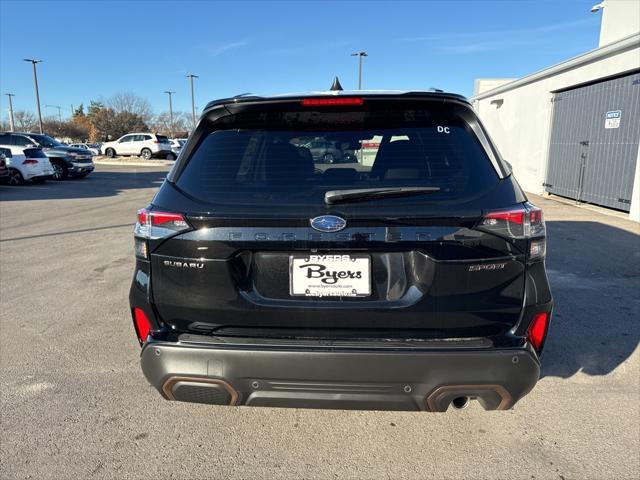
<point x="401" y="155"/>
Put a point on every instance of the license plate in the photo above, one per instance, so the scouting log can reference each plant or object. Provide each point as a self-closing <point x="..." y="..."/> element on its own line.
<point x="317" y="275"/>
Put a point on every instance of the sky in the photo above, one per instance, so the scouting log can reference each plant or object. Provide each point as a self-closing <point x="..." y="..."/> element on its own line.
<point x="94" y="49"/>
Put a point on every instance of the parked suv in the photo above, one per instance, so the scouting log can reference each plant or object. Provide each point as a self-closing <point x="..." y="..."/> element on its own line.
<point x="415" y="282"/>
<point x="146" y="145"/>
<point x="66" y="161"/>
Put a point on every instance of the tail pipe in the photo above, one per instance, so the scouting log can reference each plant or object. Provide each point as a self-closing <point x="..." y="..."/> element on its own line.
<point x="460" y="403"/>
<point x="491" y="397"/>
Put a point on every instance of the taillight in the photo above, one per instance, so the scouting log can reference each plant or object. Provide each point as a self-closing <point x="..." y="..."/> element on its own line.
<point x="153" y="224"/>
<point x="142" y="325"/>
<point x="538" y="330"/>
<point x="331" y="101"/>
<point x="30" y="161"/>
<point x="524" y="222"/>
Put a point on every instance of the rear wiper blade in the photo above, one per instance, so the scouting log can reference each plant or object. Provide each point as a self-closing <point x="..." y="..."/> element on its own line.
<point x="365" y="194"/>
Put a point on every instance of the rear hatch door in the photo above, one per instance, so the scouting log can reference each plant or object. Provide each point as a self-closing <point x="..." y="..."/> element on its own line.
<point x="267" y="251"/>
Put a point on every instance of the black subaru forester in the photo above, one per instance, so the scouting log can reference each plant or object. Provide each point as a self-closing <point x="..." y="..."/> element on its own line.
<point x="410" y="278"/>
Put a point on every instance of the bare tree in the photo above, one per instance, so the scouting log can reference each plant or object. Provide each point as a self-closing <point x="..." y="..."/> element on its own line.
<point x="127" y="102"/>
<point x="25" y="121"/>
<point x="162" y="123"/>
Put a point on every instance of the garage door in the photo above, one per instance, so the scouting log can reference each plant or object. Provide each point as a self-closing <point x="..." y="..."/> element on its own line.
<point x="594" y="142"/>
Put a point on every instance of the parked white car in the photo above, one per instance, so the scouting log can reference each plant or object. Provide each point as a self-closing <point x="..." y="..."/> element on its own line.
<point x="145" y="145"/>
<point x="27" y="164"/>
<point x="92" y="148"/>
<point x="176" y="145"/>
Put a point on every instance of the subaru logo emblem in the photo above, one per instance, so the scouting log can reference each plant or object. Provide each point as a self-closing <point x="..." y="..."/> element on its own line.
<point x="328" y="223"/>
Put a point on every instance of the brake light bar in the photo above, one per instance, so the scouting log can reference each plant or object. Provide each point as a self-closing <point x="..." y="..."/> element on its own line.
<point x="153" y="224"/>
<point x="524" y="222"/>
<point x="159" y="218"/>
<point x="514" y="216"/>
<point x="331" y="101"/>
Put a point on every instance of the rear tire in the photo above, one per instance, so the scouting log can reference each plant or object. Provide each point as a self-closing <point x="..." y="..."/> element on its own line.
<point x="111" y="153"/>
<point x="171" y="156"/>
<point x="146" y="154"/>
<point x="60" y="172"/>
<point x="15" y="177"/>
<point x="329" y="158"/>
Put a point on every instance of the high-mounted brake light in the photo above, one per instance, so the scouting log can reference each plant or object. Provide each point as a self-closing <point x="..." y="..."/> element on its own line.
<point x="154" y="224"/>
<point x="538" y="330"/>
<point x="142" y="324"/>
<point x="331" y="101"/>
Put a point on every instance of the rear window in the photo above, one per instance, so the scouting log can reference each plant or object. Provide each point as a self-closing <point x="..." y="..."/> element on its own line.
<point x="162" y="138"/>
<point x="296" y="157"/>
<point x="34" y="153"/>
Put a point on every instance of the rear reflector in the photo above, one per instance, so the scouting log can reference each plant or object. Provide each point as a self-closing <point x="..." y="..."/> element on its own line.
<point x="538" y="329"/>
<point x="142" y="325"/>
<point x="331" y="101"/>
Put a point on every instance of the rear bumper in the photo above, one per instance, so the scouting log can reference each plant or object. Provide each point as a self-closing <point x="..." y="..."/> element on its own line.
<point x="160" y="153"/>
<point x="27" y="175"/>
<point x="372" y="379"/>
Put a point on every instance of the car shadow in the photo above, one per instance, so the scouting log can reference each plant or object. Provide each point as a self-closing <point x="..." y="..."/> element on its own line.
<point x="105" y="181"/>
<point x="594" y="271"/>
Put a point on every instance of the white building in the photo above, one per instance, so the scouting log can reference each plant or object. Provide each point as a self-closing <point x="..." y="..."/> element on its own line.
<point x="573" y="129"/>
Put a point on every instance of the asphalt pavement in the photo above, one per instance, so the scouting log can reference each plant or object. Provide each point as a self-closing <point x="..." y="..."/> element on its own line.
<point x="74" y="403"/>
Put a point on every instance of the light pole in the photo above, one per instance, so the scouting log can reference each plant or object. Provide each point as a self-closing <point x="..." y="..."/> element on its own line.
<point x="35" y="80"/>
<point x="59" y="111"/>
<point x="359" y="55"/>
<point x="11" y="122"/>
<point x="191" y="76"/>
<point x="169" y="92"/>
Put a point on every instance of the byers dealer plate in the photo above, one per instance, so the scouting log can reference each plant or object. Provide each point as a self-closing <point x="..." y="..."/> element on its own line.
<point x="317" y="275"/>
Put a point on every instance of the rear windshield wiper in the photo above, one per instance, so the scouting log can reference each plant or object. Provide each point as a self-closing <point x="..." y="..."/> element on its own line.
<point x="365" y="194"/>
